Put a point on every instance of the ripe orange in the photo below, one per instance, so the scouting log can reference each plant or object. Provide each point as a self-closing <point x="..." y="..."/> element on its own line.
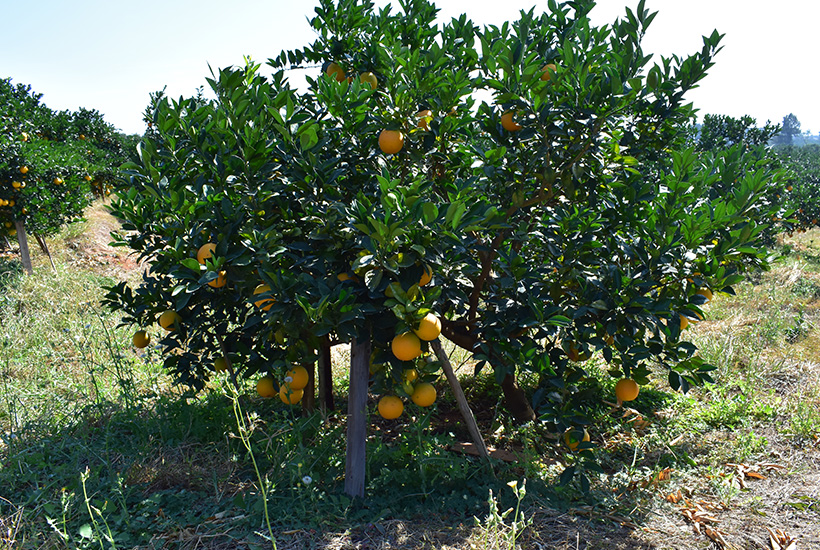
<point x="18" y="185"/>
<point x="82" y="136"/>
<point x="547" y="71"/>
<point x="508" y="123"/>
<point x="424" y="117"/>
<point x="571" y="438"/>
<point x="410" y="375"/>
<point x="706" y="293"/>
<point x="626" y="389"/>
<point x="260" y="303"/>
<point x="424" y="395"/>
<point x="390" y="407"/>
<point x="684" y="322"/>
<point x="24" y="169"/>
<point x="406" y="346"/>
<point x="88" y="178"/>
<point x="369" y="78"/>
<point x="220" y="281"/>
<point x="220" y="364"/>
<point x="58" y="181"/>
<point x="298" y="377"/>
<point x="333" y="69"/>
<point x="391" y="141"/>
<point x="429" y="327"/>
<point x="265" y="387"/>
<point x="141" y="339"/>
<point x="426" y="276"/>
<point x="205" y="252"/>
<point x="289" y="395"/>
<point x="169" y="319"/>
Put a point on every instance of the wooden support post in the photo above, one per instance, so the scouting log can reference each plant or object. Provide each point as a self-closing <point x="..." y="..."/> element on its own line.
<point x="355" y="459"/>
<point x="44" y="247"/>
<point x="464" y="407"/>
<point x="25" y="257"/>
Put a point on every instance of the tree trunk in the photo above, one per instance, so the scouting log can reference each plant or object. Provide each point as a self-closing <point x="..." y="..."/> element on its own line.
<point x="309" y="397"/>
<point x="464" y="407"/>
<point x="25" y="257"/>
<point x="325" y="376"/>
<point x="516" y="400"/>
<point x="355" y="458"/>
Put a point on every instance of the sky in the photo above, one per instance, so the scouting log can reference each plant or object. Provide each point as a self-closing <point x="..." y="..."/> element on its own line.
<point x="110" y="55"/>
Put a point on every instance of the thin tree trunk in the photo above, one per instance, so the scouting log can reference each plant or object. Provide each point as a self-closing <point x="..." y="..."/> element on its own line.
<point x="516" y="400"/>
<point x="325" y="376"/>
<point x="25" y="257"/>
<point x="355" y="459"/>
<point x="309" y="397"/>
<point x="44" y="247"/>
<point x="464" y="407"/>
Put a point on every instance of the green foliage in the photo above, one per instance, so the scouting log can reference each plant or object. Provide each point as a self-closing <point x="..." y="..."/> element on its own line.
<point x="802" y="186"/>
<point x="590" y="228"/>
<point x="721" y="132"/>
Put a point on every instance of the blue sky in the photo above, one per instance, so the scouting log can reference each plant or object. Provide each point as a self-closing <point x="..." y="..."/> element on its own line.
<point x="110" y="55"/>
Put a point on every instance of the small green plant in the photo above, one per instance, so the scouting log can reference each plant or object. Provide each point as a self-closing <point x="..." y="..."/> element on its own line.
<point x="495" y="532"/>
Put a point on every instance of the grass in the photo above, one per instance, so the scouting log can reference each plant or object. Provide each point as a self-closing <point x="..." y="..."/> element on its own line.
<point x="99" y="450"/>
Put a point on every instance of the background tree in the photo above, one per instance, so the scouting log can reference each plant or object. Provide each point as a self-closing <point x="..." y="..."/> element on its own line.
<point x="790" y="128"/>
<point x="722" y="131"/>
<point x="50" y="162"/>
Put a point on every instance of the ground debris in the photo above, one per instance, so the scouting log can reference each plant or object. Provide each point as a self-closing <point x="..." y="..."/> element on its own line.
<point x="779" y="540"/>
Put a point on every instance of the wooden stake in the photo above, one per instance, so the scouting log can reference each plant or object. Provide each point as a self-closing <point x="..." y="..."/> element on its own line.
<point x="355" y="459"/>
<point x="25" y="257"/>
<point x="464" y="407"/>
<point x="44" y="247"/>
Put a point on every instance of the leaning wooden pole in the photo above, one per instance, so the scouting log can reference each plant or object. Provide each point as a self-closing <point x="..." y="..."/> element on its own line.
<point x="464" y="407"/>
<point x="355" y="458"/>
<point x="25" y="256"/>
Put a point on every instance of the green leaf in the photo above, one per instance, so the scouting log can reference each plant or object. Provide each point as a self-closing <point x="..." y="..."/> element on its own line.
<point x="85" y="531"/>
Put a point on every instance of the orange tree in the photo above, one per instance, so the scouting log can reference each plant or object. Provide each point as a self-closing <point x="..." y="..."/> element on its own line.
<point x="48" y="161"/>
<point x="528" y="184"/>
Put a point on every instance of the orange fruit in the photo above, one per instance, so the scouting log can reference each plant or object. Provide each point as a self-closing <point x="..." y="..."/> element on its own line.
<point x="706" y="293"/>
<point x="24" y="169"/>
<point x="571" y="438"/>
<point x="205" y="252"/>
<point x="426" y="276"/>
<point x="369" y="78"/>
<point x="346" y="277"/>
<point x="390" y="407"/>
<point x="220" y="281"/>
<point x="261" y="303"/>
<point x="684" y="322"/>
<point x="265" y="387"/>
<point x="298" y="377"/>
<point x="406" y="346"/>
<point x="17" y="184"/>
<point x="88" y="178"/>
<point x="82" y="136"/>
<point x="58" y="181"/>
<point x="141" y="339"/>
<point x="333" y="69"/>
<point x="424" y="395"/>
<point x="169" y="319"/>
<point x="391" y="141"/>
<point x="547" y="71"/>
<point x="508" y="123"/>
<point x="429" y="327"/>
<point x="424" y="117"/>
<point x="220" y="364"/>
<point x="289" y="395"/>
<point x="410" y="375"/>
<point x="626" y="389"/>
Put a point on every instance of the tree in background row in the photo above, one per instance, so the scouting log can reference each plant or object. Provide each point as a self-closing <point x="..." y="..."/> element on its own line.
<point x="529" y="185"/>
<point x="50" y="163"/>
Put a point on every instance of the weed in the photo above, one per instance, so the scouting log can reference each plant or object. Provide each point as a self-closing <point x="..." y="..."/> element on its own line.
<point x="495" y="532"/>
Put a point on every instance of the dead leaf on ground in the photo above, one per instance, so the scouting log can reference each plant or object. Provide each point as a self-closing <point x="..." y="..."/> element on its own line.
<point x="779" y="540"/>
